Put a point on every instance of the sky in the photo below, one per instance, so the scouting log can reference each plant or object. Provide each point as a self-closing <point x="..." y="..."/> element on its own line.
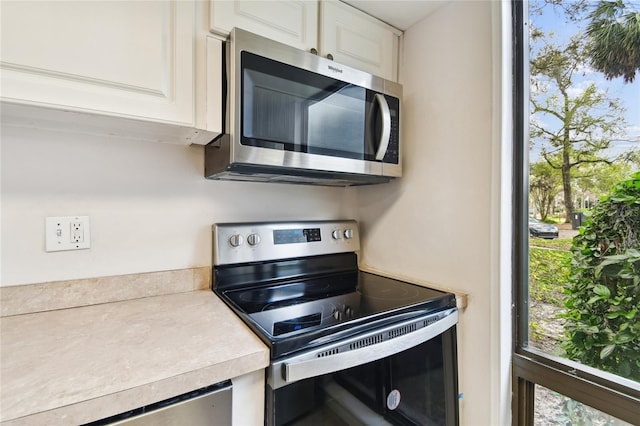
<point x="628" y="93"/>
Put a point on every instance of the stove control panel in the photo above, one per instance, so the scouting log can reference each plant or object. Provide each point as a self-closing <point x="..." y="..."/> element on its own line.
<point x="259" y="241"/>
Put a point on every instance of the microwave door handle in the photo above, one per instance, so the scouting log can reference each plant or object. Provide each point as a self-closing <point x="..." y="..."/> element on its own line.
<point x="386" y="126"/>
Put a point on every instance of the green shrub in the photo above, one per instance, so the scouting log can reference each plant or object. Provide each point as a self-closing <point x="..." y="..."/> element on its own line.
<point x="603" y="300"/>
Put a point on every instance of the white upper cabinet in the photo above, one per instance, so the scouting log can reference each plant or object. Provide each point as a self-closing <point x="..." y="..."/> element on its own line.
<point x="356" y="39"/>
<point x="293" y="22"/>
<point x="126" y="59"/>
<point x="345" y="34"/>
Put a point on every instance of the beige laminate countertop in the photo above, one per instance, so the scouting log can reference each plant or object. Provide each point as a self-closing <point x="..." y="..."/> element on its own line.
<point x="72" y="366"/>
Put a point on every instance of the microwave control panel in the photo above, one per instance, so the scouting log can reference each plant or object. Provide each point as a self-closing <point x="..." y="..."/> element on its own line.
<point x="393" y="151"/>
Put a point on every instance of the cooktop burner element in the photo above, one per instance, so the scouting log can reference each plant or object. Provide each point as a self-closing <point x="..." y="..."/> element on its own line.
<point x="298" y="292"/>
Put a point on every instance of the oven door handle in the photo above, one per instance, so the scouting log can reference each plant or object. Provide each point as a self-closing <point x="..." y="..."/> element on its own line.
<point x="321" y="361"/>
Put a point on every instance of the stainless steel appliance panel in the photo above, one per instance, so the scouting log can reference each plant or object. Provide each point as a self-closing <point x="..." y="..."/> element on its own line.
<point x="254" y="242"/>
<point x="211" y="406"/>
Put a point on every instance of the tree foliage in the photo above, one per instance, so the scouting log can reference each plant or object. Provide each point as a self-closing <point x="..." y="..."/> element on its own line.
<point x="603" y="297"/>
<point x="614" y="40"/>
<point x="613" y="32"/>
<point x="598" y="179"/>
<point x="544" y="185"/>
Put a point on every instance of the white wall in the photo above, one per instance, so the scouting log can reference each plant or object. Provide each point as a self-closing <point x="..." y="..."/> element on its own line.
<point x="438" y="223"/>
<point x="150" y="207"/>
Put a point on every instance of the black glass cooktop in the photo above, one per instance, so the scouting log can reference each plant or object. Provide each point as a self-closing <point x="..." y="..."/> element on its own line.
<point x="299" y="306"/>
<point x="298" y="314"/>
<point x="363" y="293"/>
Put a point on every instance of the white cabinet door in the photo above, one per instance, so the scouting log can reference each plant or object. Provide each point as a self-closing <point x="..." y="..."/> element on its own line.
<point x="348" y="35"/>
<point x="356" y="39"/>
<point x="293" y="22"/>
<point x="131" y="59"/>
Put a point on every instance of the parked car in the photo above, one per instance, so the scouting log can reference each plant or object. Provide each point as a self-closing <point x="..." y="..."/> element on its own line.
<point x="541" y="229"/>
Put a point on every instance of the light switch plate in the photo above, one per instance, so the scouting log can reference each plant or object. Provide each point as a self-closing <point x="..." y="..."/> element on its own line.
<point x="67" y="233"/>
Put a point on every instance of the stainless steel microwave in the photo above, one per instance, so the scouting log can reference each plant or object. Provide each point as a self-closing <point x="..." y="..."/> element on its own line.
<point x="294" y="117"/>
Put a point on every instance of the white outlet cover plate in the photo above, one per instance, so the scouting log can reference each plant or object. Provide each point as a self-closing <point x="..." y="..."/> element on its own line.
<point x="58" y="233"/>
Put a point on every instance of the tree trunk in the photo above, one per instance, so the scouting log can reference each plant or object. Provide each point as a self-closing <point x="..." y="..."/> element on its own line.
<point x="566" y="185"/>
<point x="566" y="160"/>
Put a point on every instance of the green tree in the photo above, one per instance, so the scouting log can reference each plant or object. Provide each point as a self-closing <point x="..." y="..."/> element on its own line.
<point x="614" y="40"/>
<point x="572" y="126"/>
<point x="544" y="185"/>
<point x="598" y="179"/>
<point x="603" y="297"/>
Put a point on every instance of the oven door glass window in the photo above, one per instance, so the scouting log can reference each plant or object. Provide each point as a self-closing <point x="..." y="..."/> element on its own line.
<point x="291" y="109"/>
<point x="415" y="387"/>
<point x="421" y="387"/>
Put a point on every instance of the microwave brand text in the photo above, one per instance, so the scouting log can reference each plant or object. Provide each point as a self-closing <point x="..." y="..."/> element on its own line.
<point x="335" y="69"/>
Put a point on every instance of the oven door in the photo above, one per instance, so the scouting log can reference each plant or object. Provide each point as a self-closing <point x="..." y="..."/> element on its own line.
<point x="413" y="386"/>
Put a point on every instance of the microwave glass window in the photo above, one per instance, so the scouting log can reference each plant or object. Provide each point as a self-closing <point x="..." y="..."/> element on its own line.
<point x="336" y="122"/>
<point x="272" y="116"/>
<point x="291" y="109"/>
<point x="270" y="107"/>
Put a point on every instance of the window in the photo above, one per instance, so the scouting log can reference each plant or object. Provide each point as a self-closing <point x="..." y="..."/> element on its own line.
<point x="576" y="281"/>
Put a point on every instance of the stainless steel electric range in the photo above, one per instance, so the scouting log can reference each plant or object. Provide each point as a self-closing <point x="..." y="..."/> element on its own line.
<point x="347" y="346"/>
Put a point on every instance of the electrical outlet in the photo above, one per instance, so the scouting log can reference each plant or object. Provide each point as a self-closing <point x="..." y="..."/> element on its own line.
<point x="77" y="232"/>
<point x="67" y="233"/>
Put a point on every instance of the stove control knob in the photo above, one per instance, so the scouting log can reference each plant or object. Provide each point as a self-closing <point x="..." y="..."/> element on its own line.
<point x="337" y="315"/>
<point x="235" y="240"/>
<point x="253" y="239"/>
<point x="348" y="312"/>
<point x="336" y="235"/>
<point x="348" y="233"/>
